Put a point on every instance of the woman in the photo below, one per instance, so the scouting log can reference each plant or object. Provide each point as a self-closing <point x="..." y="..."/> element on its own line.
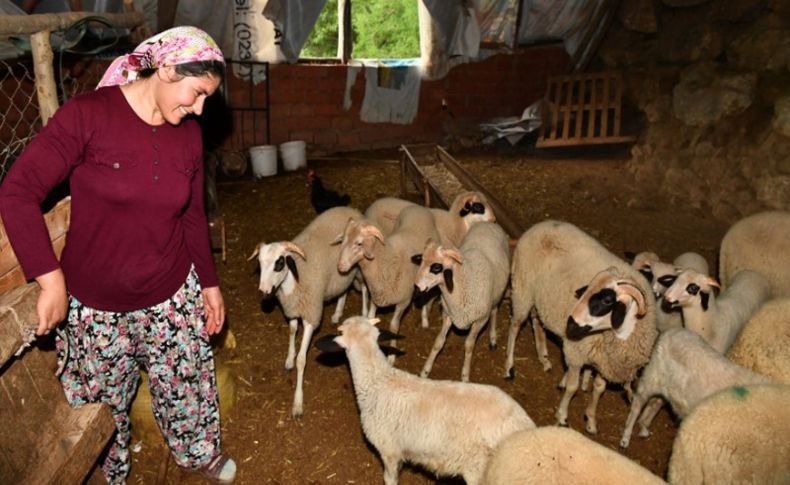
<point x="137" y="251"/>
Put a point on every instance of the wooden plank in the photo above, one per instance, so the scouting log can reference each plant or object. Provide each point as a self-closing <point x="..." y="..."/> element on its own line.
<point x="588" y="141"/>
<point x="556" y="110"/>
<point x="618" y="104"/>
<point x="17" y="318"/>
<point x="566" y="122"/>
<point x="30" y="24"/>
<point x="593" y="108"/>
<point x="580" y="108"/>
<point x="74" y="444"/>
<point x="605" y="109"/>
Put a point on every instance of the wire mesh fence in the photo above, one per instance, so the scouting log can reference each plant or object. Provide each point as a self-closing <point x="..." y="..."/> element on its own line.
<point x="20" y="117"/>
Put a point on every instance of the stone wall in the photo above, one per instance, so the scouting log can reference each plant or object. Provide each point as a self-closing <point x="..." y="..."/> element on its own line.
<point x="711" y="79"/>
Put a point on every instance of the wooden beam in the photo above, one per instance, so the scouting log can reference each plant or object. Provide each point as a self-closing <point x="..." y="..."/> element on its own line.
<point x="18" y="319"/>
<point x="30" y="24"/>
<point x="46" y="91"/>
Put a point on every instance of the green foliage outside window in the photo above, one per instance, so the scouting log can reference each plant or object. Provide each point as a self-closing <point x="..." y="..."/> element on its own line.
<point x="383" y="29"/>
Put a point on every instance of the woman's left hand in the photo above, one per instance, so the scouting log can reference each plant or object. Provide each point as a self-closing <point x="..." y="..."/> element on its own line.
<point x="215" y="309"/>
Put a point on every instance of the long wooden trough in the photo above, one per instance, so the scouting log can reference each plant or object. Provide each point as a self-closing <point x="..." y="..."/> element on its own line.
<point x="438" y="177"/>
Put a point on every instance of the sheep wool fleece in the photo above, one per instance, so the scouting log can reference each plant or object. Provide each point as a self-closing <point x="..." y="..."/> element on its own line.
<point x="101" y="357"/>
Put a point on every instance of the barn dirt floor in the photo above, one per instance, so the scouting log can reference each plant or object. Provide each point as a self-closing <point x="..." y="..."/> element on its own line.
<point x="588" y="187"/>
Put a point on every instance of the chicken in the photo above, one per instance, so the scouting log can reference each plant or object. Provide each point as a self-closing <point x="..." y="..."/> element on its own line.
<point x="323" y="198"/>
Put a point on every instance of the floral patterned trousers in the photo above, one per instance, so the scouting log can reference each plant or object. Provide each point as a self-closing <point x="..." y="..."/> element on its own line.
<point x="100" y="360"/>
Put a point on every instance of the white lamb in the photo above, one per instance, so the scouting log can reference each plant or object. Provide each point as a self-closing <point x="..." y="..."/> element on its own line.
<point x="763" y="345"/>
<point x="717" y="319"/>
<point x="466" y="209"/>
<point x="739" y="435"/>
<point x="449" y="427"/>
<point x="551" y="261"/>
<point x="472" y="280"/>
<point x="554" y="455"/>
<point x="760" y="242"/>
<point x="386" y="264"/>
<point x="303" y="274"/>
<point x="684" y="370"/>
<point x="661" y="275"/>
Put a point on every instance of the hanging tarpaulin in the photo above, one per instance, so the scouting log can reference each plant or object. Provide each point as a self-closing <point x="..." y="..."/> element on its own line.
<point x="498" y="22"/>
<point x="293" y="21"/>
<point x="254" y="39"/>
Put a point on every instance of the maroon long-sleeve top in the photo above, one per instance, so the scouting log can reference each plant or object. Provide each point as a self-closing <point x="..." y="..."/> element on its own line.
<point x="137" y="217"/>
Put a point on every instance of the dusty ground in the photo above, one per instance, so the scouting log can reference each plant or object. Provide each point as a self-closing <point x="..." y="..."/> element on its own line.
<point x="590" y="188"/>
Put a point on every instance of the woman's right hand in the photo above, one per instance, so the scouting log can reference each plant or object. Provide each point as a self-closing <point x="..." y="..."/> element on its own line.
<point x="53" y="302"/>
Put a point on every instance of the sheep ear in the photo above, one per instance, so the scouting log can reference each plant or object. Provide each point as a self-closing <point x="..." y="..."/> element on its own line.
<point x="391" y="351"/>
<point x="578" y="293"/>
<point x="448" y="280"/>
<point x="371" y="230"/>
<point x="254" y="253"/>
<point x="374" y="321"/>
<point x="715" y="285"/>
<point x="328" y="344"/>
<point x="337" y="240"/>
<point x="636" y="293"/>
<point x="647" y="274"/>
<point x="618" y="315"/>
<point x="454" y="254"/>
<point x="703" y="297"/>
<point x="387" y="335"/>
<point x="291" y="247"/>
<point x="289" y="261"/>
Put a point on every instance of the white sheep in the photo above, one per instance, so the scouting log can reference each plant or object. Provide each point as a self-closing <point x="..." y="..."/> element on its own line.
<point x="472" y="280"/>
<point x="384" y="212"/>
<point x="387" y="264"/>
<point x="554" y="455"/>
<point x="763" y="345"/>
<point x="684" y="370"/>
<point x="739" y="435"/>
<point x="551" y="261"/>
<point x="303" y="274"/>
<point x="661" y="275"/>
<point x="760" y="242"/>
<point x="717" y="319"/>
<point x="466" y="209"/>
<point x="449" y="427"/>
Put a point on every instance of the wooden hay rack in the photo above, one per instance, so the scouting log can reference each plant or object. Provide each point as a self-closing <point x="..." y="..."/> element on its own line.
<point x="583" y="109"/>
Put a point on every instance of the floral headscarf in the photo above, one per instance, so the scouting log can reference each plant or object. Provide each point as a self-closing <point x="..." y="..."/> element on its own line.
<point x="174" y="46"/>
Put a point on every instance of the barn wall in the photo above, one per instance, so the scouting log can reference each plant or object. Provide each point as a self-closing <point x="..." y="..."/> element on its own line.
<point x="307" y="101"/>
<point x="712" y="80"/>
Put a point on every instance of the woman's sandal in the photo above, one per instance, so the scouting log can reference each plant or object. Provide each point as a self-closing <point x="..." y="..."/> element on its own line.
<point x="221" y="469"/>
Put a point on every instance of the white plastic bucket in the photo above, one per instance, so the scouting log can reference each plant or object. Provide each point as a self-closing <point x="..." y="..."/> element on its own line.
<point x="264" y="160"/>
<point x="293" y="153"/>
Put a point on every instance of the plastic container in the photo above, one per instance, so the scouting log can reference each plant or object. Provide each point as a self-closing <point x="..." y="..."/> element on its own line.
<point x="293" y="154"/>
<point x="264" y="160"/>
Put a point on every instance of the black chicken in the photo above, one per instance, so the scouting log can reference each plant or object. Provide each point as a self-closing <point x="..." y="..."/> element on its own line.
<point x="323" y="198"/>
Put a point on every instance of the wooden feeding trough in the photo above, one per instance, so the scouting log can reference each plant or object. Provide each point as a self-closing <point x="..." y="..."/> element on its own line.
<point x="440" y="178"/>
<point x="583" y="109"/>
<point x="42" y="439"/>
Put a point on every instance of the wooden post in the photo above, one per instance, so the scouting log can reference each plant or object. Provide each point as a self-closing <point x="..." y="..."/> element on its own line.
<point x="45" y="75"/>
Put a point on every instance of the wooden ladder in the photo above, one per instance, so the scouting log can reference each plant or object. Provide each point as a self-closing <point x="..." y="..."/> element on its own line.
<point x="583" y="109"/>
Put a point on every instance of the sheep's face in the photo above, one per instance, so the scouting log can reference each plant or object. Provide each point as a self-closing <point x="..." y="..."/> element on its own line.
<point x="436" y="267"/>
<point x="691" y="288"/>
<point x="278" y="266"/>
<point x="643" y="263"/>
<point x="664" y="275"/>
<point x="356" y="329"/>
<point x="473" y="207"/>
<point x="358" y="243"/>
<point x="610" y="301"/>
